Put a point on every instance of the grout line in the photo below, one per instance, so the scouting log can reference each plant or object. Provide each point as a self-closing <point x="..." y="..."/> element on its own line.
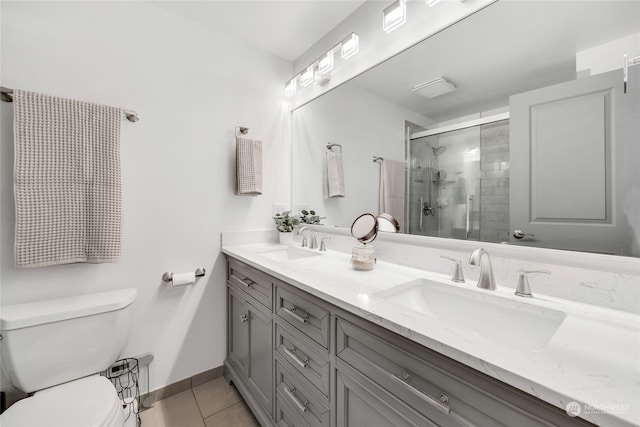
<point x="228" y="407"/>
<point x="241" y="400"/>
<point x="197" y="404"/>
<point x="222" y="410"/>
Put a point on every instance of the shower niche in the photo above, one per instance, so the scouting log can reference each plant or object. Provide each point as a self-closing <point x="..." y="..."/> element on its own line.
<point x="458" y="182"/>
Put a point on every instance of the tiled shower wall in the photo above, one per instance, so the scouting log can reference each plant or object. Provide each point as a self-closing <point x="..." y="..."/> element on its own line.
<point x="494" y="182"/>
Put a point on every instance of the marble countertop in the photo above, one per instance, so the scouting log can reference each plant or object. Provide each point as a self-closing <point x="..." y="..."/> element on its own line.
<point x="593" y="358"/>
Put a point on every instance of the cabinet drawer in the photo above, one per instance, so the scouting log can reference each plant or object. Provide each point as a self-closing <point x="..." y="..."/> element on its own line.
<point x="303" y="314"/>
<point x="361" y="403"/>
<point x="307" y="357"/>
<point x="293" y="392"/>
<point x="286" y="415"/>
<point x="437" y="387"/>
<point x="251" y="281"/>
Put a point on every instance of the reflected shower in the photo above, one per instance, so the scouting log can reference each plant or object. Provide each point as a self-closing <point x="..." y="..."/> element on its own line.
<point x="438" y="150"/>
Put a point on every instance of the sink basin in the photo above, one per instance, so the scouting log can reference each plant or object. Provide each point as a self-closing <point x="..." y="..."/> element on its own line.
<point x="490" y="316"/>
<point x="289" y="253"/>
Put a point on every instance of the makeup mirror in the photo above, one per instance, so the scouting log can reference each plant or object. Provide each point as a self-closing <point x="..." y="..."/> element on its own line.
<point x="365" y="228"/>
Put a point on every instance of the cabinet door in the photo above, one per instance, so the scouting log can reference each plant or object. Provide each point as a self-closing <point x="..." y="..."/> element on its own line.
<point x="260" y="373"/>
<point x="238" y="335"/>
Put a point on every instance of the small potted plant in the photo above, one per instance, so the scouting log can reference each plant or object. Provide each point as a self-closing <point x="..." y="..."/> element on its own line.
<point x="284" y="224"/>
<point x="310" y="217"/>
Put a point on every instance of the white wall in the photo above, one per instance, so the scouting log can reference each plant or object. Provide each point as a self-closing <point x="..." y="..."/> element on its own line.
<point x="191" y="86"/>
<point x="366" y="126"/>
<point x="607" y="56"/>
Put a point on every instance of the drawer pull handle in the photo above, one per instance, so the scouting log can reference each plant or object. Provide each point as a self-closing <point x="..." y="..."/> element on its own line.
<point x="433" y="402"/>
<point x="291" y="311"/>
<point x="291" y="392"/>
<point x="244" y="318"/>
<point x="291" y="353"/>
<point x="247" y="282"/>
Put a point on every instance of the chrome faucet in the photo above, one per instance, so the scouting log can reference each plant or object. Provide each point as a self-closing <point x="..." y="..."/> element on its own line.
<point x="523" y="289"/>
<point x="486" y="280"/>
<point x="314" y="242"/>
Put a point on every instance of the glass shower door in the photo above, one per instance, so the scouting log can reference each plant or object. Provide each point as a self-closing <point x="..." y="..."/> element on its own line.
<point x="444" y="185"/>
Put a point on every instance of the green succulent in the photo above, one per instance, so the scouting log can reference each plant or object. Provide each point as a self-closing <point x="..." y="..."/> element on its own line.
<point x="285" y="221"/>
<point x="309" y="217"/>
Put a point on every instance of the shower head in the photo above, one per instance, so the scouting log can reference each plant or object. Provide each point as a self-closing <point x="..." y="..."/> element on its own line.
<point x="438" y="150"/>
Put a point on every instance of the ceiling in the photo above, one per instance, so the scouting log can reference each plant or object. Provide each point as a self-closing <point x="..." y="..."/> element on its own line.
<point x="283" y="28"/>
<point x="507" y="48"/>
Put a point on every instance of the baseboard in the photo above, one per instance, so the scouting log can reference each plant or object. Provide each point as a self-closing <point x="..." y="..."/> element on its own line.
<point x="187" y="383"/>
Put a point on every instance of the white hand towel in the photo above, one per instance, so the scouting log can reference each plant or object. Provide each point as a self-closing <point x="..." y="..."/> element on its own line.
<point x="392" y="190"/>
<point x="248" y="167"/>
<point x="67" y="181"/>
<point x="334" y="177"/>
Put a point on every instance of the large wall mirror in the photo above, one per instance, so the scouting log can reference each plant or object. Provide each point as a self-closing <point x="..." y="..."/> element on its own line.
<point x="515" y="125"/>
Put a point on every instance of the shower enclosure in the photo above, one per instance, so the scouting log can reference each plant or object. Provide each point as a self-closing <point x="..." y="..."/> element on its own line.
<point x="458" y="181"/>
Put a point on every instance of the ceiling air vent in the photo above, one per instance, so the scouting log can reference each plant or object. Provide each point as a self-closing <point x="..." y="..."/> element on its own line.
<point x="434" y="87"/>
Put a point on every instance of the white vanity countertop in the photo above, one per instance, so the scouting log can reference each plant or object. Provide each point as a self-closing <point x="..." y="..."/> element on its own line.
<point x="593" y="358"/>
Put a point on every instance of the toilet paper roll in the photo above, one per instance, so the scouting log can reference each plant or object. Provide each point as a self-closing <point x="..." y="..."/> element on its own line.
<point x="183" y="279"/>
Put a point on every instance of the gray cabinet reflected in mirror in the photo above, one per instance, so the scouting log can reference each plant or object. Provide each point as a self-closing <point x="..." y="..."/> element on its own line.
<point x="511" y="126"/>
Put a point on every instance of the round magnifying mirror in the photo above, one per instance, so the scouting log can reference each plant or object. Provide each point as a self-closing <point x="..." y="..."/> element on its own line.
<point x="365" y="228"/>
<point x="388" y="223"/>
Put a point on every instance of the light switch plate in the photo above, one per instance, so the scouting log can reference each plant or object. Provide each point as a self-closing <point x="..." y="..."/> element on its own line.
<point x="279" y="208"/>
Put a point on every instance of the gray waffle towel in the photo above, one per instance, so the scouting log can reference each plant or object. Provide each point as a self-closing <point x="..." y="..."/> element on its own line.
<point x="248" y="166"/>
<point x="67" y="181"/>
<point x="334" y="175"/>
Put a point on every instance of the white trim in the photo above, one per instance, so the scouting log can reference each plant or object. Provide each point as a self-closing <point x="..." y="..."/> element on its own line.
<point x="462" y="125"/>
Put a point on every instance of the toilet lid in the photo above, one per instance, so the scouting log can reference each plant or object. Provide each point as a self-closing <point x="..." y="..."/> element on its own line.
<point x="90" y="401"/>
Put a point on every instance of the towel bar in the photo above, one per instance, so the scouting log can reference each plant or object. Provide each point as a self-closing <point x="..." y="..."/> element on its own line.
<point x="168" y="276"/>
<point x="330" y="145"/>
<point x="6" y="95"/>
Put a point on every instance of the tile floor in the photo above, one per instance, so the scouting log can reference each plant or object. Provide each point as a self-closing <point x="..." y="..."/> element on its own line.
<point x="212" y="404"/>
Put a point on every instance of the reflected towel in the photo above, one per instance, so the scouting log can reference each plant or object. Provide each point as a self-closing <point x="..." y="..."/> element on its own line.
<point x="334" y="175"/>
<point x="67" y="181"/>
<point x="392" y="189"/>
<point x="248" y="167"/>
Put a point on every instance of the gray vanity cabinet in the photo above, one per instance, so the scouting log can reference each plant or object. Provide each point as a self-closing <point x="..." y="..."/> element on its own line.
<point x="299" y="361"/>
<point x="440" y="390"/>
<point x="251" y="346"/>
<point x="250" y="340"/>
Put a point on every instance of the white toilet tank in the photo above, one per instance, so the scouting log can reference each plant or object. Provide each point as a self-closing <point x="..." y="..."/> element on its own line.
<point x="54" y="341"/>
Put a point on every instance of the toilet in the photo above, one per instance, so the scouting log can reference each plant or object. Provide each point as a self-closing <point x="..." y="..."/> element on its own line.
<point x="55" y="348"/>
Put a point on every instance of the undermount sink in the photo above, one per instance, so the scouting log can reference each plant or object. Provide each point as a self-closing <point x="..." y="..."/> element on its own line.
<point x="493" y="317"/>
<point x="289" y="253"/>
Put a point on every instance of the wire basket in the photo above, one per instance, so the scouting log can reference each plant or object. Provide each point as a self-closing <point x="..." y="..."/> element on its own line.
<point x="124" y="374"/>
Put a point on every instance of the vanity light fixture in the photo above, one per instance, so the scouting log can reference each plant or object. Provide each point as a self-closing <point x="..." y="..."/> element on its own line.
<point x="394" y="15"/>
<point x="290" y="87"/>
<point x="306" y="78"/>
<point x="319" y="72"/>
<point x="326" y="63"/>
<point x="432" y="88"/>
<point x="350" y="46"/>
<point x="318" y="77"/>
<point x="433" y="2"/>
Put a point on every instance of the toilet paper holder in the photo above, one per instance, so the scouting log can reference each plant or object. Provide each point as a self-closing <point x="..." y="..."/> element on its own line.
<point x="168" y="276"/>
